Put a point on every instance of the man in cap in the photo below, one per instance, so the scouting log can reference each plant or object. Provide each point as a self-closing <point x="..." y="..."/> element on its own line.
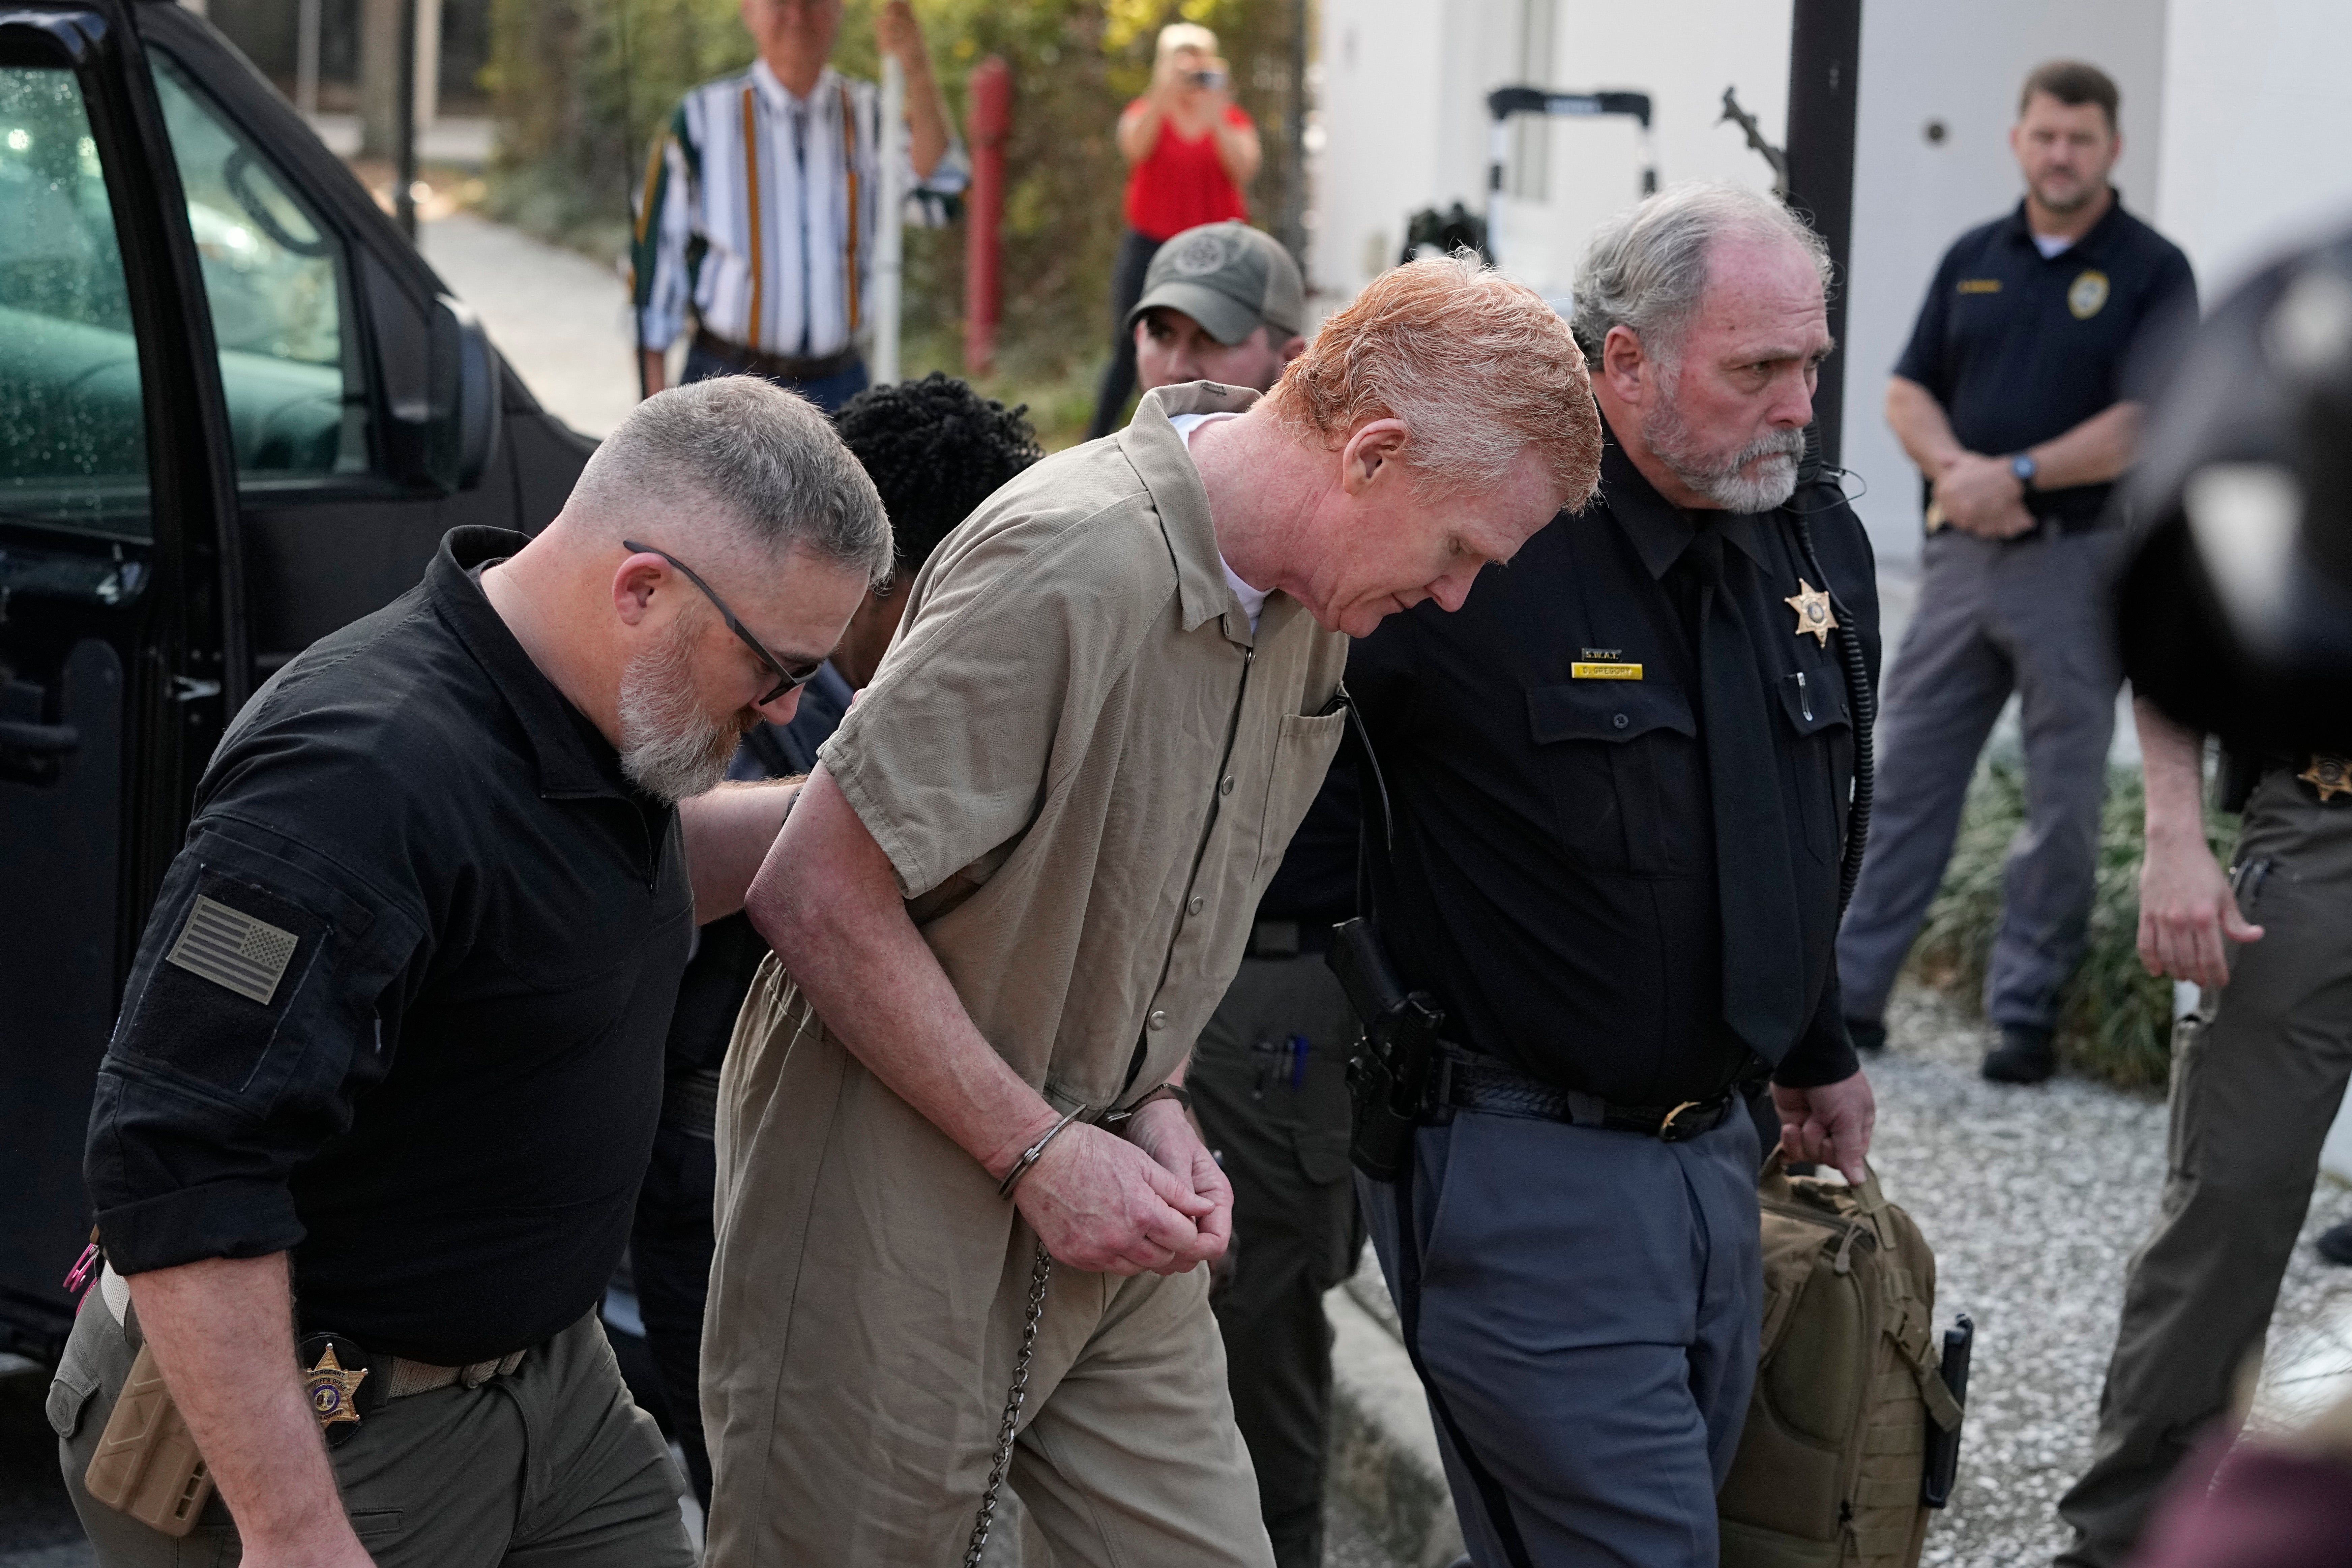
<point x="1268" y="1077"/>
<point x="1223" y="302"/>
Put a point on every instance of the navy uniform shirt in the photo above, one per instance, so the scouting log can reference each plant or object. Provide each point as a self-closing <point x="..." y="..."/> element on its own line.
<point x="2020" y="348"/>
<point x="1553" y="879"/>
<point x="399" y="1008"/>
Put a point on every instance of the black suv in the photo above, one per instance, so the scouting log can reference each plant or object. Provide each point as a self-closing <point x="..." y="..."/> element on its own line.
<point x="237" y="411"/>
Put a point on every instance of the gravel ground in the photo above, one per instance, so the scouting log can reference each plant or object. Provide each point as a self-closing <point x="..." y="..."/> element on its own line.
<point x="2034" y="1200"/>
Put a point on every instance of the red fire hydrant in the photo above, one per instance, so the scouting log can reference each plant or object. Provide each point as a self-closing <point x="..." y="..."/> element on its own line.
<point x="990" y="120"/>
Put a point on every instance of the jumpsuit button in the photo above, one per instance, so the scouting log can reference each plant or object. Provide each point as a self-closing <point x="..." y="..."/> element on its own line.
<point x="1620" y="721"/>
<point x="1195" y="904"/>
<point x="1225" y="784"/>
<point x="1159" y="1019"/>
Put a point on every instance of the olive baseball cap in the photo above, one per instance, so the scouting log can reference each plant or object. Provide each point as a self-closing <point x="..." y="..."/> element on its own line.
<point x="1229" y="277"/>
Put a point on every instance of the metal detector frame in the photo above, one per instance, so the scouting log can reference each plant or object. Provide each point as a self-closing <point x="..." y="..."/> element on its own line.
<point x="1505" y="101"/>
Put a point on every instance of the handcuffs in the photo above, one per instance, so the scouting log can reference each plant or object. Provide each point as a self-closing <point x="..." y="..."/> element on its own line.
<point x="1110" y="1121"/>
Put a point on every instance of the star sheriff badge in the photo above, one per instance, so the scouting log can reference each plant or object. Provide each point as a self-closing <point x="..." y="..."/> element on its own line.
<point x="332" y="1389"/>
<point x="2331" y="776"/>
<point x="1813" y="607"/>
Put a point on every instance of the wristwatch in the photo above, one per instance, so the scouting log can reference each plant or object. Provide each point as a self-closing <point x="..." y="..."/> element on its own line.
<point x="2025" y="468"/>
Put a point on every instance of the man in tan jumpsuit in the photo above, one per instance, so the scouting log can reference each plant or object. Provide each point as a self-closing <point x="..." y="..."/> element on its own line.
<point x="1016" y="887"/>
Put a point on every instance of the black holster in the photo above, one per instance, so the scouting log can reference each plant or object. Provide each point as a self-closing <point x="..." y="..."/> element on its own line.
<point x="1388" y="1075"/>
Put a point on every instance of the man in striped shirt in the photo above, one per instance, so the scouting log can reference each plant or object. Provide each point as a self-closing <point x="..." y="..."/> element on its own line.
<point x="760" y="201"/>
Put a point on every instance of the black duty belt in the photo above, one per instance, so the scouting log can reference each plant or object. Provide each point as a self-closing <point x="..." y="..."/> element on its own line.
<point x="690" y="1102"/>
<point x="784" y="367"/>
<point x="1459" y="1085"/>
<point x="1290" y="939"/>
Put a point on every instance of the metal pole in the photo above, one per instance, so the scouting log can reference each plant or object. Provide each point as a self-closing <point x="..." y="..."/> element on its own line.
<point x="404" y="126"/>
<point x="988" y="117"/>
<point x="1293" y="226"/>
<point x="306" y="57"/>
<point x="1824" y="74"/>
<point x="889" y="223"/>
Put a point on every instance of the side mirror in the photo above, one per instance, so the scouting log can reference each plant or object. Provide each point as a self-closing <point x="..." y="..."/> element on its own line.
<point x="465" y="416"/>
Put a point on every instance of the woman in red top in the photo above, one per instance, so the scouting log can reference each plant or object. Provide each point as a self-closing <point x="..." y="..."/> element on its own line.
<point x="1189" y="150"/>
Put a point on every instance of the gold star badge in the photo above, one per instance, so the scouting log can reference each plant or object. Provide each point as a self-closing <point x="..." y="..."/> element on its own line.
<point x="2330" y="777"/>
<point x="1813" y="607"/>
<point x="333" y="1390"/>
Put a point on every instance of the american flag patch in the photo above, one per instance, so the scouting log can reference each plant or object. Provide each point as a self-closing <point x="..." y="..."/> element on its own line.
<point x="231" y="949"/>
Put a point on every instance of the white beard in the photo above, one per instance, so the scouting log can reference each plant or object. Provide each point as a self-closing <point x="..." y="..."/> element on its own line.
<point x="1725" y="480"/>
<point x="670" y="746"/>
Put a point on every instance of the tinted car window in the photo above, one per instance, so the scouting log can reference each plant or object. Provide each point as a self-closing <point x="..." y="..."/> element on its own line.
<point x="73" y="434"/>
<point x="278" y="283"/>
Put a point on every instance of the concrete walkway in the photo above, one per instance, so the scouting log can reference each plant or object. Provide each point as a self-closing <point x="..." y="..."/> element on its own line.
<point x="560" y="320"/>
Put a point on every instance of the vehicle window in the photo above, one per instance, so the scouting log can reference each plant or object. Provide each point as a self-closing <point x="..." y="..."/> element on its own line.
<point x="278" y="283"/>
<point x="73" y="429"/>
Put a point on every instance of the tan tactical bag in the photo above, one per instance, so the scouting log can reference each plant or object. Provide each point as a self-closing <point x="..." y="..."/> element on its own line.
<point x="1829" y="1468"/>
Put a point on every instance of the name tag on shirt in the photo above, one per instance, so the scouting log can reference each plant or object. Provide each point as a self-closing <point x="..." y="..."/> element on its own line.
<point x="1582" y="671"/>
<point x="1979" y="285"/>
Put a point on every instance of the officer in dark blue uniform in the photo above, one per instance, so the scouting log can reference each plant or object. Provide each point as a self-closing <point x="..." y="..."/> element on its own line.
<point x="2012" y="399"/>
<point x="935" y="451"/>
<point x="1619" y="777"/>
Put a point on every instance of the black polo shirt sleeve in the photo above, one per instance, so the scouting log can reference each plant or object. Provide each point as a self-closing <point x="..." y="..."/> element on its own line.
<point x="1923" y="359"/>
<point x="252" y="1021"/>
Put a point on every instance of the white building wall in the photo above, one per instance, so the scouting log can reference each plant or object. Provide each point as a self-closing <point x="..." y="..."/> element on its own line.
<point x="1928" y="61"/>
<point x="2256" y="153"/>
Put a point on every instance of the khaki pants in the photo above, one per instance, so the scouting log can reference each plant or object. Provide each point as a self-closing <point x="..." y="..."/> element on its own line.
<point x="2258" y="1072"/>
<point x="865" y="1307"/>
<point x="551" y="1467"/>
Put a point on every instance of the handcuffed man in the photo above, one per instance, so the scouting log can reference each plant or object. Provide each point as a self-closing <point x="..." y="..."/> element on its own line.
<point x="1010" y="898"/>
<point x="1619" y="778"/>
<point x="390" y="1060"/>
<point x="1223" y="303"/>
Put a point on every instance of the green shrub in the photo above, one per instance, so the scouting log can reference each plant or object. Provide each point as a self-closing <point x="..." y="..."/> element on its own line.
<point x="2115" y="1019"/>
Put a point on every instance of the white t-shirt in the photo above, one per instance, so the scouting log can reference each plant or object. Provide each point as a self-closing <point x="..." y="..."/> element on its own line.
<point x="1252" y="599"/>
<point x="2050" y="245"/>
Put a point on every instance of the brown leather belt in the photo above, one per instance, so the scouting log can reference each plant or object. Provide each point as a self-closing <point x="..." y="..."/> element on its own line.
<point x="782" y="367"/>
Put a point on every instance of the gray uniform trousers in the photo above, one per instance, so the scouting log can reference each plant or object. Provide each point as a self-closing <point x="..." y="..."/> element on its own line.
<point x="1278" y="1120"/>
<point x="1993" y="616"/>
<point x="1586" y="1317"/>
<point x="552" y="1467"/>
<point x="2258" y="1072"/>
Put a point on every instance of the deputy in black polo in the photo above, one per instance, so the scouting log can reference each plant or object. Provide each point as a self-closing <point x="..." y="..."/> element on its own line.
<point x="2013" y="397"/>
<point x="1619" y="776"/>
<point x="390" y="1061"/>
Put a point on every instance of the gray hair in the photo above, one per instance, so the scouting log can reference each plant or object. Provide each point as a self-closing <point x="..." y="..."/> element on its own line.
<point x="766" y="465"/>
<point x="1646" y="268"/>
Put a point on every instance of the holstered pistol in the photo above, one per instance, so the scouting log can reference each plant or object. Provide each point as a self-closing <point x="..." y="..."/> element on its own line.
<point x="146" y="1465"/>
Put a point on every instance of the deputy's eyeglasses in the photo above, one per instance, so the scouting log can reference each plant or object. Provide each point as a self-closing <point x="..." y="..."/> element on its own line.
<point x="788" y="676"/>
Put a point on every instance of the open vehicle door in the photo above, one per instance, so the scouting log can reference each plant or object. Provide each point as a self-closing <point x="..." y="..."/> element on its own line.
<point x="121" y="645"/>
<point x="238" y="411"/>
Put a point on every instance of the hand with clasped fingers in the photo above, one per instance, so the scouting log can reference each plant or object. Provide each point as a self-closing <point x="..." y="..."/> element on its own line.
<point x="1981" y="494"/>
<point x="1152" y="1201"/>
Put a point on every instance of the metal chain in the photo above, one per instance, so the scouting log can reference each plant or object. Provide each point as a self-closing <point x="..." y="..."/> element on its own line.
<point x="1014" y="1397"/>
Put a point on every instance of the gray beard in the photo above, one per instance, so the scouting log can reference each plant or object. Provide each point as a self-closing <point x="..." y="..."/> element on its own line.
<point x="671" y="748"/>
<point x="1724" y="480"/>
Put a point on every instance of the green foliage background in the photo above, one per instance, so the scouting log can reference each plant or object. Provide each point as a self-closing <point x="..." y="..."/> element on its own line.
<point x="580" y="86"/>
<point x="2115" y="1019"/>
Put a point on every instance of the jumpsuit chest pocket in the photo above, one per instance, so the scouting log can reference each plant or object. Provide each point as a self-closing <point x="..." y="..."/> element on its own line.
<point x="1617" y="756"/>
<point x="1813" y="701"/>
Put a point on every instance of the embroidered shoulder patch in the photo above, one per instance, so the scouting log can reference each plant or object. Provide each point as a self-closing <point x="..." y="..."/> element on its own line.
<point x="233" y="950"/>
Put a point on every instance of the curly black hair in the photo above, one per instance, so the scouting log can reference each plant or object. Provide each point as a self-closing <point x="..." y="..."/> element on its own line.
<point x="936" y="450"/>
